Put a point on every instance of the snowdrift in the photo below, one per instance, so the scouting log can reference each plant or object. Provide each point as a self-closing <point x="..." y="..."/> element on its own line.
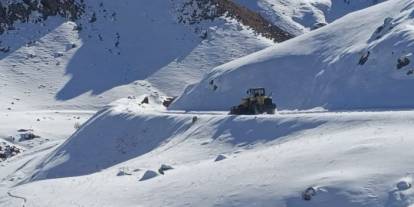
<point x="127" y="131"/>
<point x="359" y="61"/>
<point x="349" y="159"/>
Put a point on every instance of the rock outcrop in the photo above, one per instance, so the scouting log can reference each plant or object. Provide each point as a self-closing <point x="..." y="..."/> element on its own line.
<point x="37" y="11"/>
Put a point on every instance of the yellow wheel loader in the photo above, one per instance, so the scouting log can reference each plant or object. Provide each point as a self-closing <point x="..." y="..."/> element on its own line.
<point x="255" y="103"/>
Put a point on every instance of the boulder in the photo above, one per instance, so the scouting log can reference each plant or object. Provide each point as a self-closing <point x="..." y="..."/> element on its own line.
<point x="220" y="158"/>
<point x="164" y="168"/>
<point x="402" y="62"/>
<point x="123" y="172"/>
<point x="403" y="185"/>
<point x="148" y="175"/>
<point x="28" y="136"/>
<point x="309" y="193"/>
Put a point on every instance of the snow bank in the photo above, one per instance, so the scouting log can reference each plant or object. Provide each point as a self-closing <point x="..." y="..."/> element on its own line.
<point x="351" y="63"/>
<point x="128" y="130"/>
<point x="350" y="159"/>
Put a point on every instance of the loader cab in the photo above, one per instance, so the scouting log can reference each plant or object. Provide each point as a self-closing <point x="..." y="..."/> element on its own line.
<point x="256" y="92"/>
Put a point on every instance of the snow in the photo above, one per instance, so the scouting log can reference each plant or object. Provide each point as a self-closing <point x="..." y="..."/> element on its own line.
<point x="55" y="78"/>
<point x="40" y="123"/>
<point x="320" y="69"/>
<point x="301" y="16"/>
<point x="341" y="136"/>
<point x="351" y="158"/>
<point x="112" y="58"/>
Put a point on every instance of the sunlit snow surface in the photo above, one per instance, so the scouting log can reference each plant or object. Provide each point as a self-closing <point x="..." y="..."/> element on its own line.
<point x="342" y="129"/>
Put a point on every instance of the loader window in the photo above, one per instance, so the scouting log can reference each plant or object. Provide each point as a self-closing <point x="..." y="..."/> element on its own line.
<point x="255" y="92"/>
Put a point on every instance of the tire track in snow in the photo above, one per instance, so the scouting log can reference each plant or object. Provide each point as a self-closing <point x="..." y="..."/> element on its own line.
<point x="18" y="197"/>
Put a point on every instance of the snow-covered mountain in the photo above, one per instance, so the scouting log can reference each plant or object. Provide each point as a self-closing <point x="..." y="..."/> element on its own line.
<point x="359" y="61"/>
<point x="112" y="50"/>
<point x="57" y="69"/>
<point x="298" y="17"/>
<point x="85" y="54"/>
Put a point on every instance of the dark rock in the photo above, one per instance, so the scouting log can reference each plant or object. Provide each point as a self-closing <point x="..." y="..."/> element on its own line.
<point x="364" y="58"/>
<point x="220" y="158"/>
<point x="402" y="62"/>
<point x="8" y="151"/>
<point x="58" y="54"/>
<point x="28" y="136"/>
<point x="318" y="25"/>
<point x="164" y="168"/>
<point x="204" y="35"/>
<point x="50" y="7"/>
<point x="167" y="102"/>
<point x="196" y="11"/>
<point x="145" y="100"/>
<point x="403" y="185"/>
<point x="20" y="11"/>
<point x="77" y="28"/>
<point x="148" y="175"/>
<point x="4" y="49"/>
<point x="194" y="119"/>
<point x="123" y="172"/>
<point x="309" y="193"/>
<point x="383" y="29"/>
<point x="93" y="18"/>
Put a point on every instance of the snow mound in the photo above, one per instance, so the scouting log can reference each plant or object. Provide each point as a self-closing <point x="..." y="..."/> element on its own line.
<point x="125" y="131"/>
<point x="350" y="159"/>
<point x="146" y="103"/>
<point x="107" y="139"/>
<point x="359" y="61"/>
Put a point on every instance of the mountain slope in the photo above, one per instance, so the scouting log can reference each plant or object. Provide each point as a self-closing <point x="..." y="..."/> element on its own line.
<point x="137" y="152"/>
<point x="359" y="61"/>
<point x="298" y="17"/>
<point x="268" y="160"/>
<point x="113" y="50"/>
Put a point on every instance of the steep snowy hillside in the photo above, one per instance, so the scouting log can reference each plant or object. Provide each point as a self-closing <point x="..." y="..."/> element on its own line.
<point x="58" y="61"/>
<point x="110" y="50"/>
<point x="298" y="17"/>
<point x="360" y="61"/>
<point x="62" y="60"/>
<point x="129" y="155"/>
